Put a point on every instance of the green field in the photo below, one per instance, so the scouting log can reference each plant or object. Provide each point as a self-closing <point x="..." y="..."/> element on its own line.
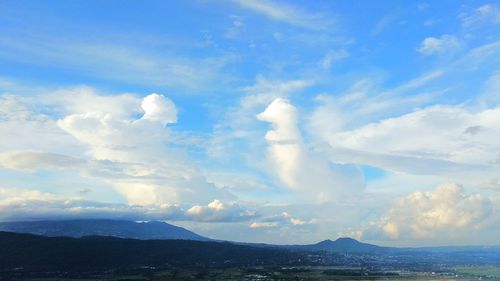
<point x="284" y="274"/>
<point x="480" y="271"/>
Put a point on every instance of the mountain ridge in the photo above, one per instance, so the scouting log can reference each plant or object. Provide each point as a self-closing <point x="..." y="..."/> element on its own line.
<point x="102" y="227"/>
<point x="29" y="252"/>
<point x="159" y="230"/>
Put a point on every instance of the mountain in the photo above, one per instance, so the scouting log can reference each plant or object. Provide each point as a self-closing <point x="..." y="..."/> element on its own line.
<point x="349" y="245"/>
<point x="39" y="253"/>
<point x="343" y="245"/>
<point x="102" y="227"/>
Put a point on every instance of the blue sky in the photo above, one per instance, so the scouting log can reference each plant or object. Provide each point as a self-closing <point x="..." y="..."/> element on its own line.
<point x="262" y="121"/>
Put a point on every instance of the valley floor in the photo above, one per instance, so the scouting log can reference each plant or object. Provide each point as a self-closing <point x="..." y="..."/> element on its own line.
<point x="272" y="273"/>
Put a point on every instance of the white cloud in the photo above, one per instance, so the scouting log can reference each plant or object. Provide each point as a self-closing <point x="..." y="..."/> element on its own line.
<point x="488" y="13"/>
<point x="239" y="123"/>
<point x="429" y="144"/>
<point x="102" y="138"/>
<point x="443" y="133"/>
<point x="483" y="56"/>
<point x="384" y="22"/>
<point x="238" y="25"/>
<point x="422" y="6"/>
<point x="285" y="142"/>
<point x="442" y="211"/>
<point x="333" y="56"/>
<point x="15" y="196"/>
<point x="217" y="211"/>
<point x="24" y="127"/>
<point x="236" y="181"/>
<point x="366" y="101"/>
<point x="295" y="166"/>
<point x="355" y="234"/>
<point x="19" y="204"/>
<point x="491" y="94"/>
<point x="286" y="13"/>
<point x="31" y="161"/>
<point x="443" y="44"/>
<point x="113" y="137"/>
<point x="84" y="99"/>
<point x="137" y="62"/>
<point x="263" y="224"/>
<point x="283" y="220"/>
<point x="158" y="108"/>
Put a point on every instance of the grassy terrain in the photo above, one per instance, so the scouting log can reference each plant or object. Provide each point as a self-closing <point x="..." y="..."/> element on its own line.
<point x="485" y="271"/>
<point x="274" y="273"/>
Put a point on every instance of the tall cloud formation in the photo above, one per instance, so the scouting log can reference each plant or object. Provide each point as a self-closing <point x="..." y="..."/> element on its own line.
<point x="113" y="137"/>
<point x="151" y="173"/>
<point x="286" y="148"/>
<point x="296" y="166"/>
<point x="101" y="138"/>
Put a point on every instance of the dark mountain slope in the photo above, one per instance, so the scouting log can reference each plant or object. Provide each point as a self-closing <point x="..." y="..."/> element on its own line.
<point x="102" y="227"/>
<point x="38" y="253"/>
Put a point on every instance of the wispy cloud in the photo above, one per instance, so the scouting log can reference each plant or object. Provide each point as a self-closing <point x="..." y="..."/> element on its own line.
<point x="115" y="61"/>
<point x="385" y="22"/>
<point x="287" y="13"/>
<point x="488" y="13"/>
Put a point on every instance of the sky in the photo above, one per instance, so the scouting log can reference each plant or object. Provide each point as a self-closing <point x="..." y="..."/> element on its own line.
<point x="256" y="120"/>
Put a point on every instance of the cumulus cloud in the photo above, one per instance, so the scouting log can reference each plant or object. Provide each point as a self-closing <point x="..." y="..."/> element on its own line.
<point x="102" y="137"/>
<point x="433" y="45"/>
<point x="297" y="167"/>
<point x="159" y="108"/>
<point x="442" y="211"/>
<point x="285" y="142"/>
<point x="151" y="173"/>
<point x="218" y="211"/>
<point x="238" y="131"/>
<point x="355" y="234"/>
<point x="113" y="137"/>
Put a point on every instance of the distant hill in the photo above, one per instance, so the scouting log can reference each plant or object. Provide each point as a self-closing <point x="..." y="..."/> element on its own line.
<point x="38" y="253"/>
<point x="102" y="227"/>
<point x="344" y="245"/>
<point x="341" y="245"/>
